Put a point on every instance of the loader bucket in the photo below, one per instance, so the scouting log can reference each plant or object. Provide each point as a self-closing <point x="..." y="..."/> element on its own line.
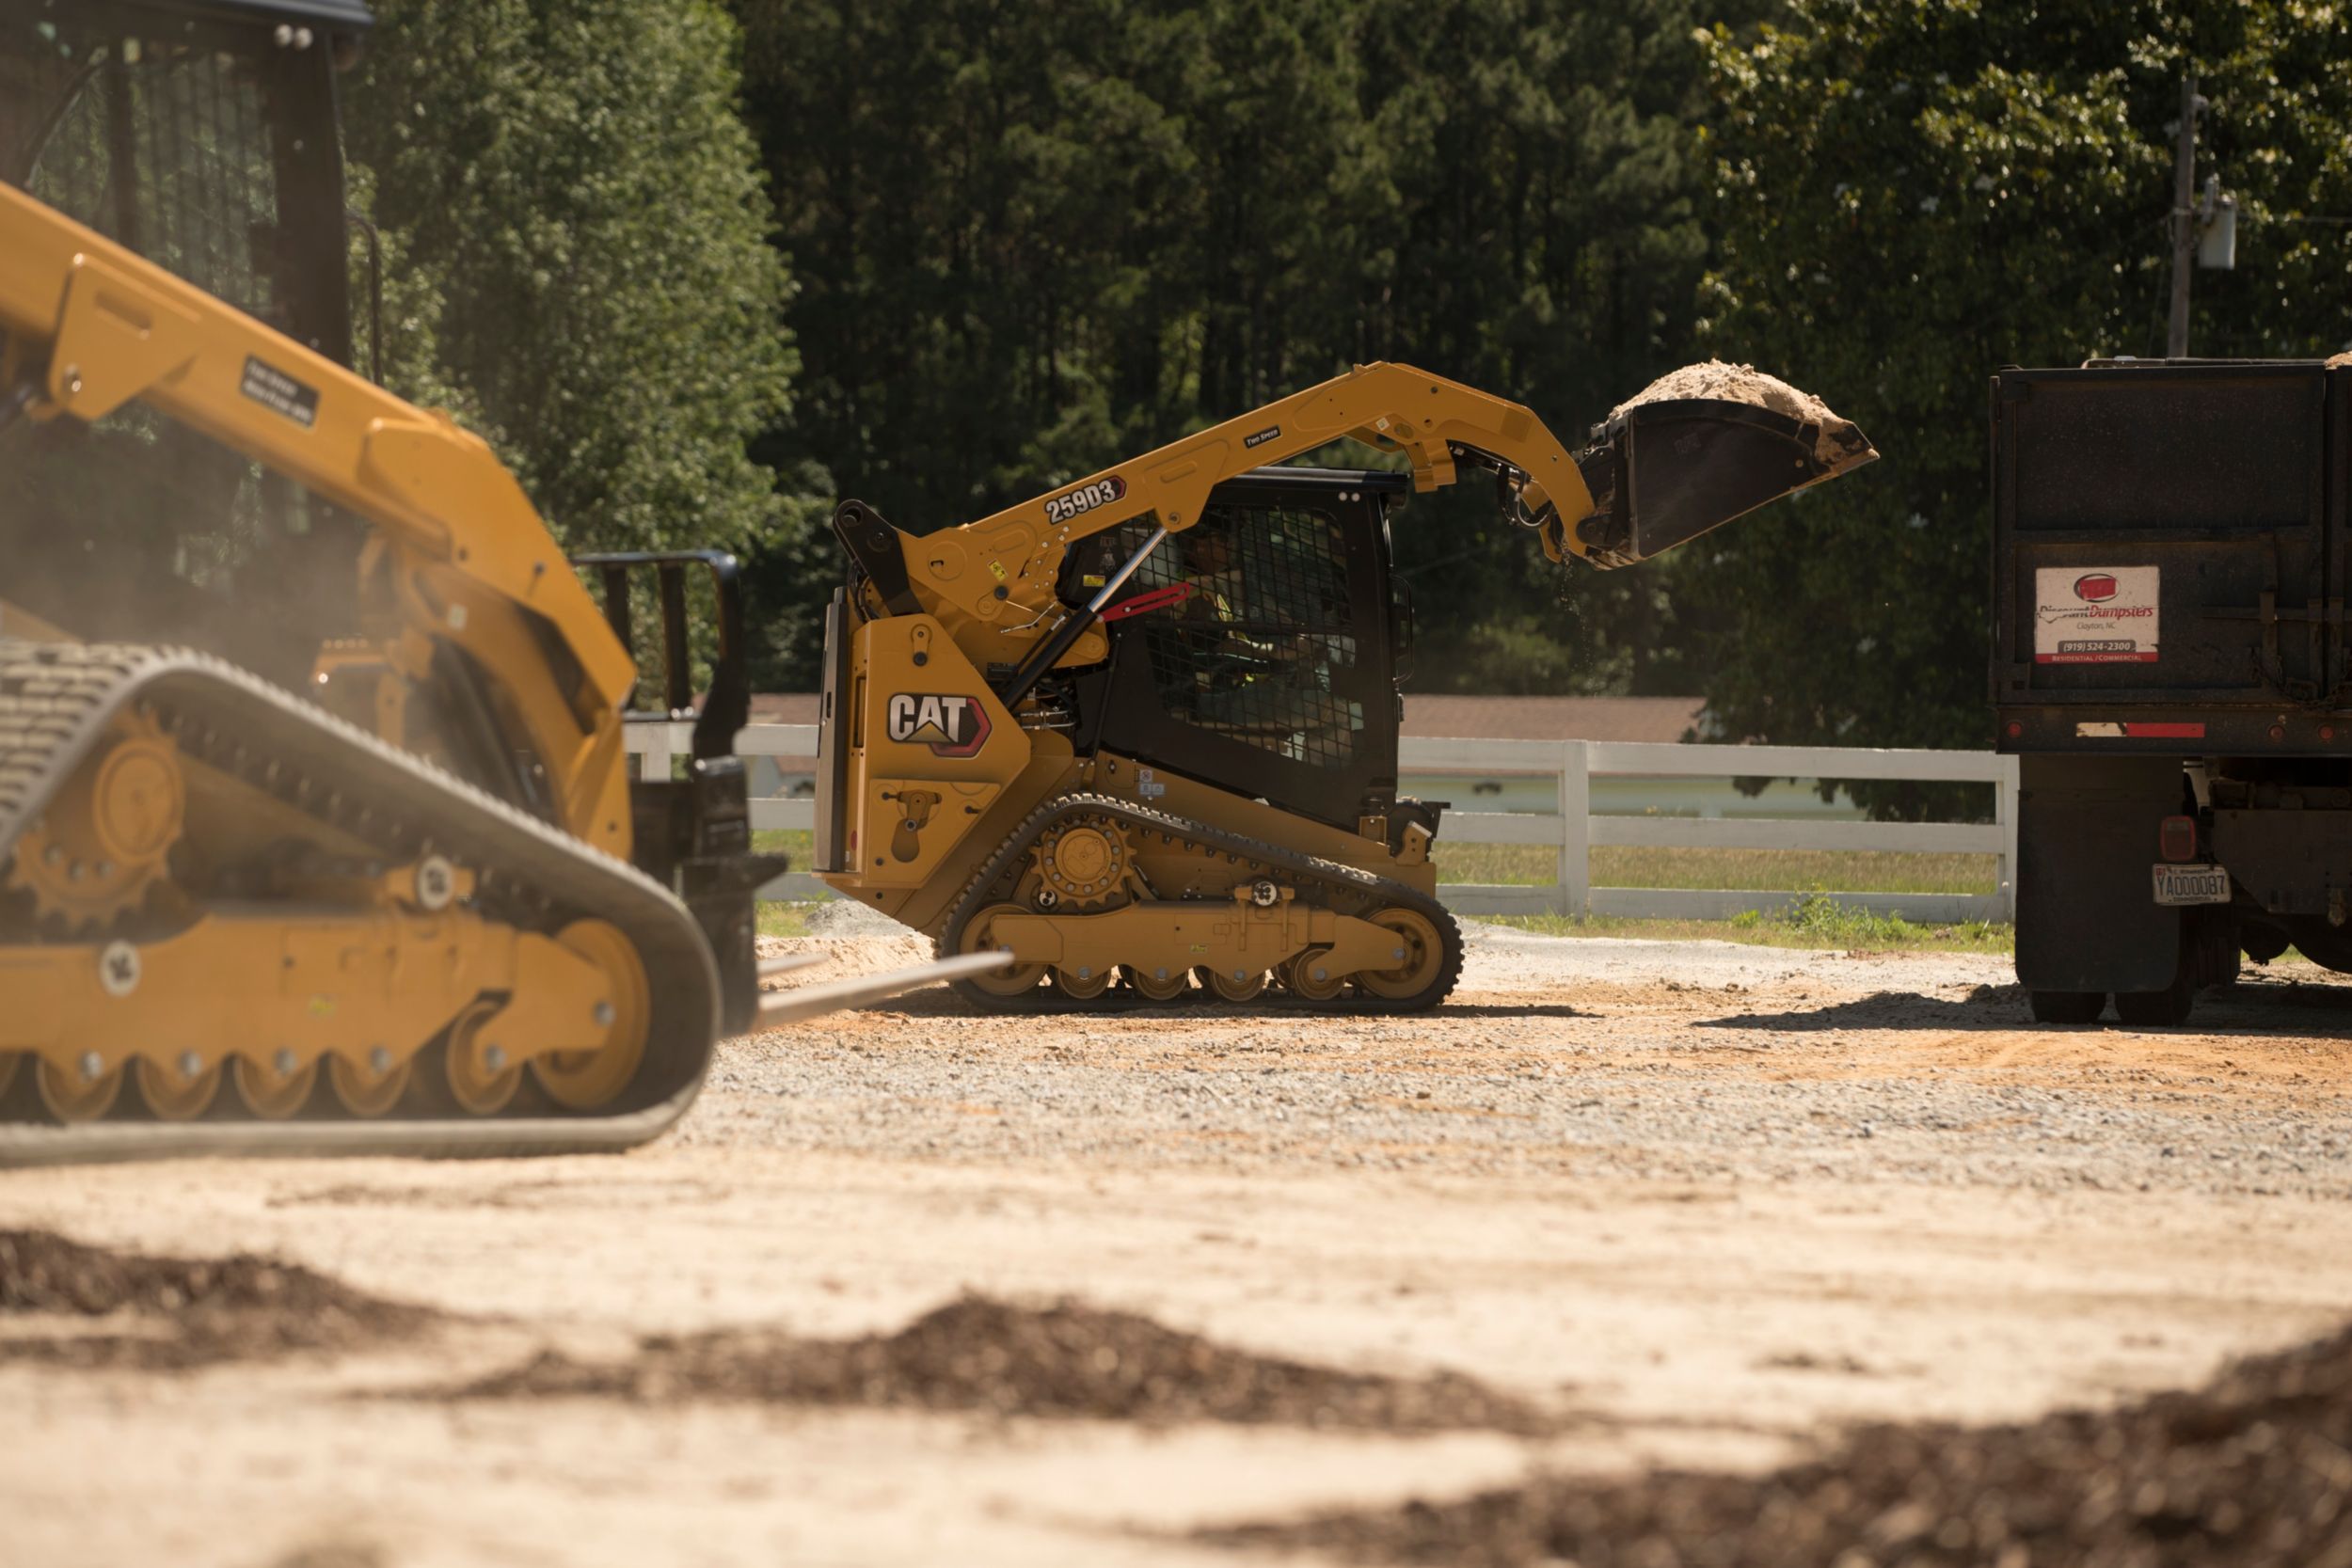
<point x="1665" y="472"/>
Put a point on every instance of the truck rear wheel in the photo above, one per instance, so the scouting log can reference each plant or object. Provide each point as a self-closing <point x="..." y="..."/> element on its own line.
<point x="2067" y="1006"/>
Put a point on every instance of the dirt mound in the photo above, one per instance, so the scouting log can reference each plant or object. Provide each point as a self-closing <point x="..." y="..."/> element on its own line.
<point x="2253" y="1469"/>
<point x="1069" y="1359"/>
<point x="163" y="1313"/>
<point x="1839" y="440"/>
<point x="845" y="956"/>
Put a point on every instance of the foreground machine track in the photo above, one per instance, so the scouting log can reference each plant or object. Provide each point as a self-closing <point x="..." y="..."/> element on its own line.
<point x="558" y="907"/>
<point x="1304" y="890"/>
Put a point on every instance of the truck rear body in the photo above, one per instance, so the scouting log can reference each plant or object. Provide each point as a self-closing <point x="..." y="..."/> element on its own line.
<point x="2170" y="545"/>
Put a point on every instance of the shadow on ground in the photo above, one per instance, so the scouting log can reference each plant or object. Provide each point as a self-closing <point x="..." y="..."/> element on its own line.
<point x="2256" y="1007"/>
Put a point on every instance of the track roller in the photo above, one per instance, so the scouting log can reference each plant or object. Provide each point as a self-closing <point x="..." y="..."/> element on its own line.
<point x="1232" y="985"/>
<point x="274" y="1090"/>
<point x="83" y="1095"/>
<point x="174" y="1092"/>
<point x="1158" y="985"/>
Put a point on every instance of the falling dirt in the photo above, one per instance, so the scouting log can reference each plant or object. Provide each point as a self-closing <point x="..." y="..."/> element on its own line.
<point x="1839" y="440"/>
<point x="2251" y="1469"/>
<point x="1069" y="1359"/>
<point x="176" y="1313"/>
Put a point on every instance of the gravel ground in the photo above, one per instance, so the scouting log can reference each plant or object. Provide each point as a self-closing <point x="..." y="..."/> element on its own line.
<point x="1706" y="1204"/>
<point x="1749" y="1064"/>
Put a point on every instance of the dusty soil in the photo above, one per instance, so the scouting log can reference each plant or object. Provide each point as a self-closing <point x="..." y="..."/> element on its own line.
<point x="1839" y="440"/>
<point x="1007" y="1359"/>
<point x="2252" y="1469"/>
<point x="176" y="1313"/>
<point x="1710" y="1205"/>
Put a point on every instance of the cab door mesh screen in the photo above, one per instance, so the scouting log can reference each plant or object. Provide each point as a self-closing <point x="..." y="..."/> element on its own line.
<point x="1260" y="622"/>
<point x="166" y="150"/>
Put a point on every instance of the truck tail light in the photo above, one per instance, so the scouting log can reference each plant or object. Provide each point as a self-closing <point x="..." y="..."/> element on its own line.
<point x="2176" y="838"/>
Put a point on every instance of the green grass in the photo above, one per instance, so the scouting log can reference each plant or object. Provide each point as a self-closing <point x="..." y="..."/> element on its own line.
<point x="1816" y="919"/>
<point x="799" y="843"/>
<point x="783" y="920"/>
<point x="1746" y="870"/>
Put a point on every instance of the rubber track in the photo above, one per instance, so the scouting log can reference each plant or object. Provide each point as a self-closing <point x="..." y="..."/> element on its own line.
<point x="56" y="701"/>
<point x="1380" y="892"/>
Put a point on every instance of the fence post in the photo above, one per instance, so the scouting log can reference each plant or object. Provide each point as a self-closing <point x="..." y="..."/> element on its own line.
<point x="1576" y="812"/>
<point x="655" y="763"/>
<point x="2005" y="817"/>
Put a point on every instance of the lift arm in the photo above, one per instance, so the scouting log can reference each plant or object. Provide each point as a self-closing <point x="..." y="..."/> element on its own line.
<point x="991" y="581"/>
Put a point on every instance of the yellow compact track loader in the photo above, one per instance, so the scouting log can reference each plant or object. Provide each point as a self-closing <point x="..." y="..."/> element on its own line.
<point x="316" y="824"/>
<point x="1141" y="731"/>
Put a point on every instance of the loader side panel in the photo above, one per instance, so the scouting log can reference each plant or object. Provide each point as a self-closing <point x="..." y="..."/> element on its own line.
<point x="931" y="751"/>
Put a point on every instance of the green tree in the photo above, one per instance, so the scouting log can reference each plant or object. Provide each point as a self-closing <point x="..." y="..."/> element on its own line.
<point x="1911" y="194"/>
<point x="582" y="234"/>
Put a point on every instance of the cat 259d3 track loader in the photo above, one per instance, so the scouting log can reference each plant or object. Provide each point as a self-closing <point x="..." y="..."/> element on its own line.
<point x="1142" y="730"/>
<point x="312" y="769"/>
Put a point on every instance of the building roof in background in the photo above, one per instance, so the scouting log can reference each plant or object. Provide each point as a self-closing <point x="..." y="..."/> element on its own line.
<point x="1449" y="718"/>
<point x="1441" y="716"/>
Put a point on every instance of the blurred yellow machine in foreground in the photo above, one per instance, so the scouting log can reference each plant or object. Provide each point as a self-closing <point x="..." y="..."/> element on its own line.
<point x="316" y="825"/>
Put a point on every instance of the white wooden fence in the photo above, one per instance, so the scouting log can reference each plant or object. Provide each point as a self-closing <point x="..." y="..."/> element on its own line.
<point x="1572" y="830"/>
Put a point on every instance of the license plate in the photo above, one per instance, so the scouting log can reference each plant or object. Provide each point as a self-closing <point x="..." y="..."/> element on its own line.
<point x="2191" y="884"/>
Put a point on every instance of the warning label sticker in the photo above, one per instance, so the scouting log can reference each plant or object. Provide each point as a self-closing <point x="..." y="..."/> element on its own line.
<point x="273" y="389"/>
<point x="2103" y="615"/>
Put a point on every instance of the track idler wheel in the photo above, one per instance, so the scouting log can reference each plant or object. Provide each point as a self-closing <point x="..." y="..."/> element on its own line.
<point x="78" y="1094"/>
<point x="1017" y="981"/>
<point x="582" y="1080"/>
<point x="1420" y="955"/>
<point x="275" y="1089"/>
<point x="173" y="1092"/>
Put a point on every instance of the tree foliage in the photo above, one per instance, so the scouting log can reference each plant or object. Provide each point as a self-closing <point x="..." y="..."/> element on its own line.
<point x="1908" y="196"/>
<point x="1030" y="240"/>
<point x="582" y="260"/>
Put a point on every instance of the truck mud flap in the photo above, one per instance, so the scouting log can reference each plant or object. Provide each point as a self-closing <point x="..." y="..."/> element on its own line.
<point x="2086" y="917"/>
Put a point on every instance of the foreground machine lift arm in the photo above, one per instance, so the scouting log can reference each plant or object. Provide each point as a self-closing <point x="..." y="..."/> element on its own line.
<point x="1142" y="728"/>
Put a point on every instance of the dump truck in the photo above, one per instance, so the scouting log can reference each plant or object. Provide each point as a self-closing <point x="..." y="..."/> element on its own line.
<point x="2170" y="545"/>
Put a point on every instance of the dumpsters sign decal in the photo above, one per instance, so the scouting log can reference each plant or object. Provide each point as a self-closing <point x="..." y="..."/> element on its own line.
<point x="2095" y="614"/>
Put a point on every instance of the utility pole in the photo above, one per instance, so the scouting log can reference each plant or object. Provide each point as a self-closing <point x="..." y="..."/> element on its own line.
<point x="2184" y="219"/>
